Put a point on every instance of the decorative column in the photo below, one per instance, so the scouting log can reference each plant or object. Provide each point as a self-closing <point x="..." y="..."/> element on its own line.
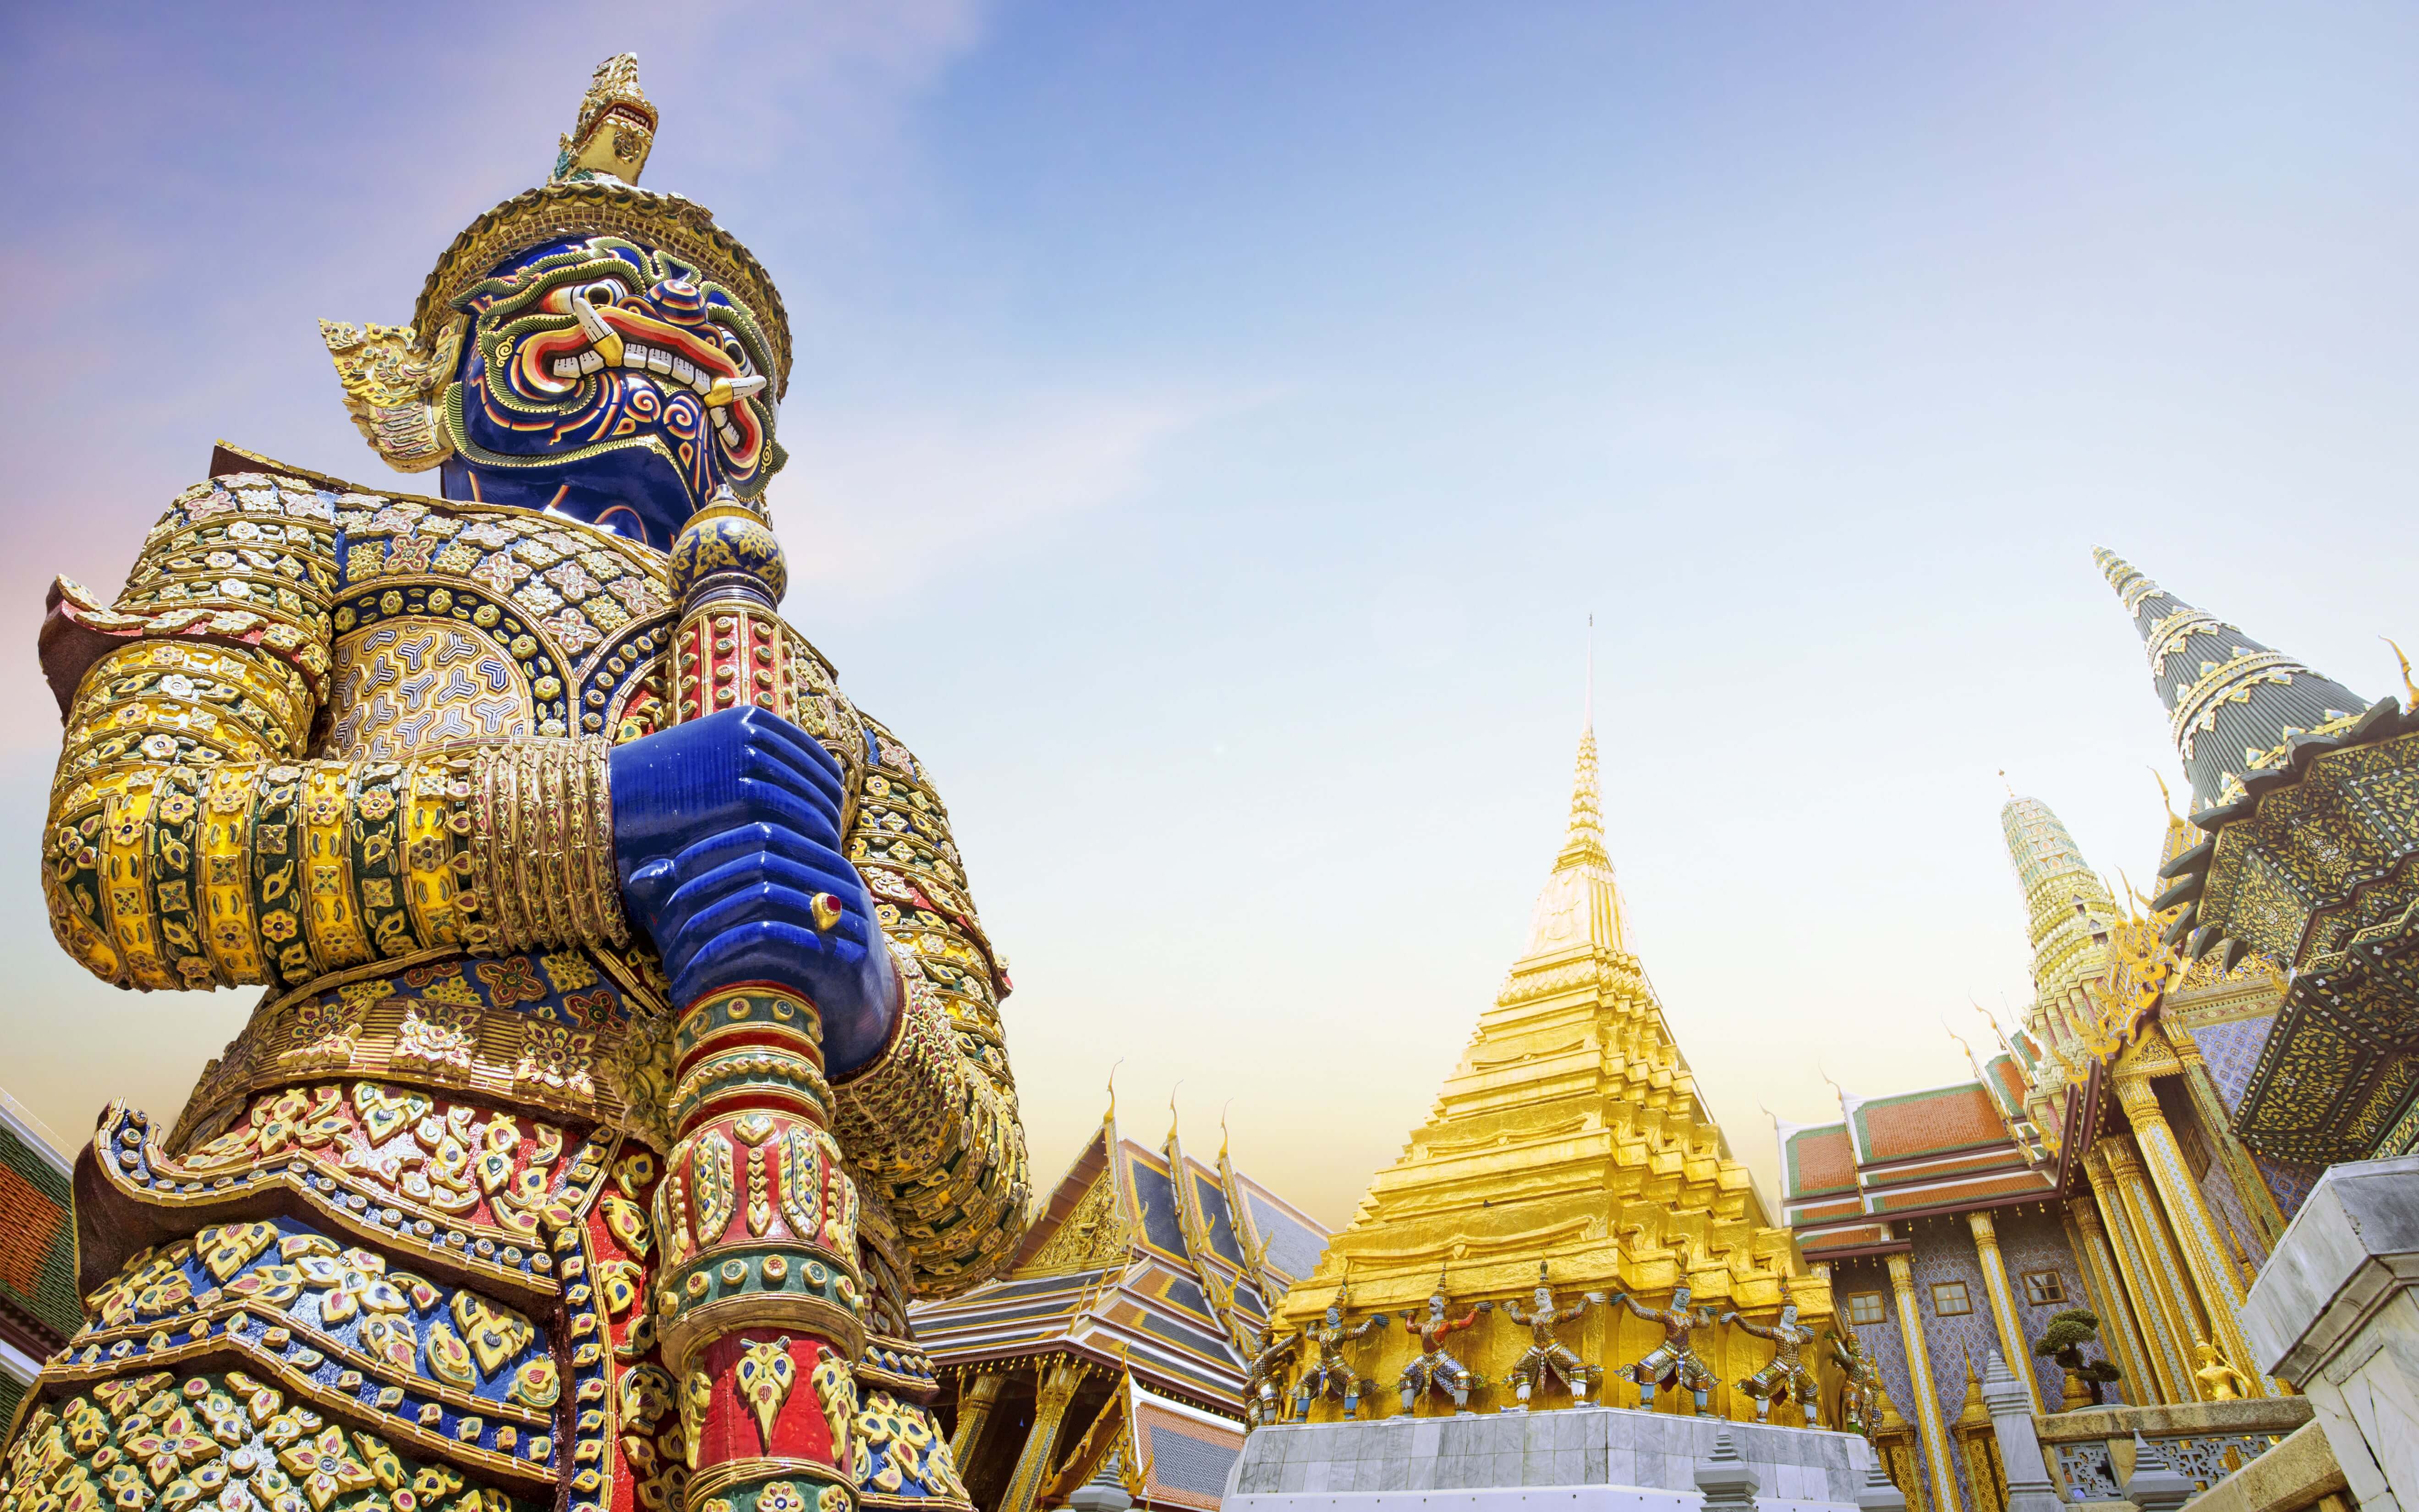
<point x="2168" y="1379"/>
<point x="2211" y="1265"/>
<point x="1053" y="1390"/>
<point x="2218" y="1123"/>
<point x="757" y="1301"/>
<point x="757" y="1306"/>
<point x="1943" y="1476"/>
<point x="977" y="1397"/>
<point x="2118" y="1335"/>
<point x="2003" y="1306"/>
<point x="2169" y="1278"/>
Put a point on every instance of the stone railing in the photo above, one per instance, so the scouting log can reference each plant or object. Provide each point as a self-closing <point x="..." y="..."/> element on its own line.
<point x="2297" y="1476"/>
<point x="2202" y="1441"/>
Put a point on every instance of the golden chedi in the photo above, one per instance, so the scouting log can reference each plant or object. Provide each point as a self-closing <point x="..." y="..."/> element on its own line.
<point x="1571" y="1134"/>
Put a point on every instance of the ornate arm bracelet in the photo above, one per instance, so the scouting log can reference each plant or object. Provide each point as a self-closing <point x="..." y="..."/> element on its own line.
<point x="541" y="844"/>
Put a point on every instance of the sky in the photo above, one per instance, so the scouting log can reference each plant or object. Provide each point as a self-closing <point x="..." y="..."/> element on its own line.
<point x="1214" y="424"/>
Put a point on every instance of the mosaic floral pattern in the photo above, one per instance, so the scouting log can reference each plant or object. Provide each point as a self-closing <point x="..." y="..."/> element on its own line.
<point x="2232" y="1050"/>
<point x="230" y="1440"/>
<point x="2288" y="1181"/>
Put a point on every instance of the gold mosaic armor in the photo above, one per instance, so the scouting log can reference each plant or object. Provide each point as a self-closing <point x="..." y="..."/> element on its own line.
<point x="351" y="747"/>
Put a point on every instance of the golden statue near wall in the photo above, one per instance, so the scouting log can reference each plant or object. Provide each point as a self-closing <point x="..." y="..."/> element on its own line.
<point x="1860" y="1394"/>
<point x="2219" y="1380"/>
<point x="1263" y="1393"/>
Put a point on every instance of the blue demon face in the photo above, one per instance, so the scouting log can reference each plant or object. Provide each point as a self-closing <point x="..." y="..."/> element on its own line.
<point x="605" y="380"/>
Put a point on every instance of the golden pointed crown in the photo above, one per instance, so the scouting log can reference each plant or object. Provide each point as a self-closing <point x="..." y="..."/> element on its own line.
<point x="593" y="190"/>
<point x="617" y="124"/>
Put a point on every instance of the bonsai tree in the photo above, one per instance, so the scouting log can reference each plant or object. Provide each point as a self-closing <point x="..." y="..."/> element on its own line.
<point x="2069" y="1332"/>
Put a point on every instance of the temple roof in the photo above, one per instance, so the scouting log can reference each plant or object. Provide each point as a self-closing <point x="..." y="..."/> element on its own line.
<point x="2231" y="703"/>
<point x="1152" y="1260"/>
<point x="38" y="1306"/>
<point x="1846" y="1186"/>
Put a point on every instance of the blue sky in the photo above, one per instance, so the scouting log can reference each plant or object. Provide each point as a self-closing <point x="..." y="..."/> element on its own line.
<point x="1213" y="423"/>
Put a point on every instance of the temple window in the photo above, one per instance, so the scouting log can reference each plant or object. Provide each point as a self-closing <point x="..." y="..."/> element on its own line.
<point x="1949" y="1299"/>
<point x="2044" y="1289"/>
<point x="1864" y="1308"/>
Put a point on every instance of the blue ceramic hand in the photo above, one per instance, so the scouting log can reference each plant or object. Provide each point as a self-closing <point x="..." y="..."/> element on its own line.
<point x="726" y="830"/>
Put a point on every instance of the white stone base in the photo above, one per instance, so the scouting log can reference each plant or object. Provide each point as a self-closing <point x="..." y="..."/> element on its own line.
<point x="2336" y="1311"/>
<point x="1586" y="1459"/>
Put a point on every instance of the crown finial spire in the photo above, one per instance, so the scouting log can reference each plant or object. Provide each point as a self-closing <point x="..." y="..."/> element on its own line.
<point x="1587" y="715"/>
<point x="1581" y="904"/>
<point x="616" y="129"/>
<point x="1586" y="839"/>
<point x="2232" y="703"/>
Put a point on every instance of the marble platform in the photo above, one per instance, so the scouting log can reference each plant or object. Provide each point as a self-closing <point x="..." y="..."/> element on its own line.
<point x="2336" y="1311"/>
<point x="1585" y="1459"/>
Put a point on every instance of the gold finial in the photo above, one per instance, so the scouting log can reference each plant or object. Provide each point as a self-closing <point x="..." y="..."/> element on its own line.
<point x="2409" y="689"/>
<point x="2004" y="783"/>
<point x="616" y="128"/>
<point x="1171" y="1107"/>
<point x="1111" y="1117"/>
<point x="1223" y="1137"/>
<point x="1588" y="706"/>
<point x="2166" y="799"/>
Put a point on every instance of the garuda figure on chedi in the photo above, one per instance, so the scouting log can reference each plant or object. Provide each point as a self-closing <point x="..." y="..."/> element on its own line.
<point x="630" y="1056"/>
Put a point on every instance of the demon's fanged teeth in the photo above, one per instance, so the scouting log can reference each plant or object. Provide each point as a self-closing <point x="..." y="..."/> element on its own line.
<point x="607" y="348"/>
<point x="602" y="339"/>
<point x="725" y="391"/>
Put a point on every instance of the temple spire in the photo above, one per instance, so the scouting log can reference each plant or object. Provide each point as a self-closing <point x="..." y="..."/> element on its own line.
<point x="2067" y="908"/>
<point x="1570" y="1102"/>
<point x="1580" y="903"/>
<point x="2232" y="703"/>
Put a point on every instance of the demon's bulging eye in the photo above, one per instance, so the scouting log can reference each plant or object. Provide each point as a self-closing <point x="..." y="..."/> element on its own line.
<point x="737" y="352"/>
<point x="603" y="291"/>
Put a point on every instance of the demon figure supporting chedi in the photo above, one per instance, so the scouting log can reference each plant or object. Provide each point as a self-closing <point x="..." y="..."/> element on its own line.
<point x="1676" y="1361"/>
<point x="1327" y="1373"/>
<point x="1789" y="1374"/>
<point x="630" y="1055"/>
<point x="1548" y="1358"/>
<point x="1435" y="1369"/>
